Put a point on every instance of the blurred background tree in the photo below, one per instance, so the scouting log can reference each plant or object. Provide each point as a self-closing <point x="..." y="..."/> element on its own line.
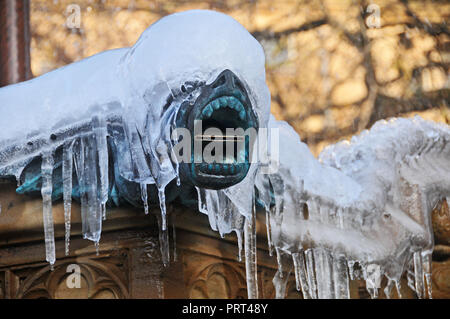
<point x="334" y="67"/>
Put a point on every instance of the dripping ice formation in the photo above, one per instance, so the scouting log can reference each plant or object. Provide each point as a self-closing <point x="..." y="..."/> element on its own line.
<point x="366" y="202"/>
<point x="126" y="100"/>
<point x="361" y="211"/>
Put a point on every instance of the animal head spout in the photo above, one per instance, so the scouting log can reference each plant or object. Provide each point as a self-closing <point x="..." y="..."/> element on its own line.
<point x="222" y="124"/>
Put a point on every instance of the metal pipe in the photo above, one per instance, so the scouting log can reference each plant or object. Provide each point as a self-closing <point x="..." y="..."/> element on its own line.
<point x="14" y="41"/>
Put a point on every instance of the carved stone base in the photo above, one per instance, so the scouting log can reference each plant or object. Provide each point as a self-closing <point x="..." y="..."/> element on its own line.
<point x="128" y="263"/>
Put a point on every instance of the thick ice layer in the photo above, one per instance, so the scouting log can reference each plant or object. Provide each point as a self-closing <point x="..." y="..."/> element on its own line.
<point x="119" y="98"/>
<point x="132" y="84"/>
<point x="367" y="201"/>
<point x="147" y="73"/>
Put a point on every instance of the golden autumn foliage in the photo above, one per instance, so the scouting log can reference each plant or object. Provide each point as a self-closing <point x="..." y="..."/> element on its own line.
<point x="333" y="69"/>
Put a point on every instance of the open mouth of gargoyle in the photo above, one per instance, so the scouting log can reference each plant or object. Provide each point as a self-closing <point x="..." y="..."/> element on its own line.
<point x="224" y="152"/>
<point x="223" y="124"/>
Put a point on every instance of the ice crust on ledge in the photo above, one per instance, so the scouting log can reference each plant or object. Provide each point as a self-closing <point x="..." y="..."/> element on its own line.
<point x="119" y="98"/>
<point x="366" y="202"/>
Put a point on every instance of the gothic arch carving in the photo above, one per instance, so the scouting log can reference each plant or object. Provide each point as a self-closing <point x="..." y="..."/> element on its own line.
<point x="218" y="280"/>
<point x="98" y="279"/>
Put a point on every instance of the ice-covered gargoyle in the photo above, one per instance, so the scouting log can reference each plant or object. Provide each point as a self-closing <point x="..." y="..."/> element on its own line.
<point x="107" y="131"/>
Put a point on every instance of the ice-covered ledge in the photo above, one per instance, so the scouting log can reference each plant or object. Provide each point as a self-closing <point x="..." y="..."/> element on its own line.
<point x="21" y="221"/>
<point x="22" y="245"/>
<point x="21" y="225"/>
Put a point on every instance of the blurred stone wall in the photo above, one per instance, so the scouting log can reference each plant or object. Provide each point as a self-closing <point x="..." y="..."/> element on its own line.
<point x="334" y="67"/>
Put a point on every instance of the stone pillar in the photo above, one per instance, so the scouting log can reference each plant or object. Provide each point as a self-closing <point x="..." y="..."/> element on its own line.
<point x="14" y="41"/>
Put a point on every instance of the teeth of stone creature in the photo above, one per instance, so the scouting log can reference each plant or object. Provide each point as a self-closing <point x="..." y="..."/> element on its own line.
<point x="240" y="107"/>
<point x="242" y="115"/>
<point x="236" y="104"/>
<point x="223" y="101"/>
<point x="207" y="111"/>
<point x="215" y="104"/>
<point x="232" y="103"/>
<point x="223" y="168"/>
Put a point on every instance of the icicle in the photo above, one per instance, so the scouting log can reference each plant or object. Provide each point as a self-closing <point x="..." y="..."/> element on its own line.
<point x="269" y="233"/>
<point x="340" y="214"/>
<point x="163" y="243"/>
<point x="363" y="270"/>
<point x="138" y="168"/>
<point x="100" y="131"/>
<point x="340" y="278"/>
<point x="301" y="274"/>
<point x="103" y="208"/>
<point x="297" y="265"/>
<point x="351" y="265"/>
<point x="410" y="280"/>
<point x="201" y="200"/>
<point x="162" y="205"/>
<point x="418" y="275"/>
<point x="79" y="169"/>
<point x="67" y="166"/>
<point x="87" y="172"/>
<point x="250" y="255"/>
<point x="388" y="288"/>
<point x="279" y="263"/>
<point x="144" y="197"/>
<point x="94" y="209"/>
<point x="278" y="191"/>
<point x="426" y="260"/>
<point x="373" y="292"/>
<point x="372" y="276"/>
<point x="212" y="201"/>
<point x="311" y="273"/>
<point x="282" y="275"/>
<point x="46" y="192"/>
<point x="324" y="273"/>
<point x="97" y="248"/>
<point x="239" y="240"/>
<point x="398" y="287"/>
<point x="174" y="238"/>
<point x="280" y="282"/>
